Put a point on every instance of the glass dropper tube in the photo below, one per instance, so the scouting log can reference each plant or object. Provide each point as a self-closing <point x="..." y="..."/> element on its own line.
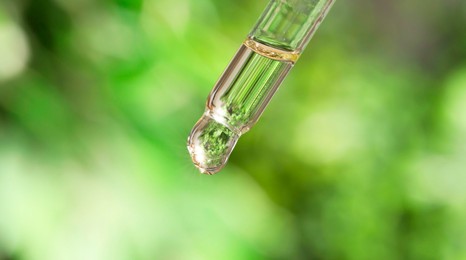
<point x="252" y="77"/>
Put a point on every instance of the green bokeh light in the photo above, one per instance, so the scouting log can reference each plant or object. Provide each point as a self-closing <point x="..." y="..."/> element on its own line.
<point x="359" y="156"/>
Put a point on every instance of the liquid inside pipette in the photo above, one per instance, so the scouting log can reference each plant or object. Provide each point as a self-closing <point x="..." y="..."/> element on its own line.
<point x="252" y="77"/>
<point x="236" y="102"/>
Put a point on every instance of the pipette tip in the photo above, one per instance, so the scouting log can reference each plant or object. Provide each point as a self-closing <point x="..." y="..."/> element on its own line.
<point x="210" y="145"/>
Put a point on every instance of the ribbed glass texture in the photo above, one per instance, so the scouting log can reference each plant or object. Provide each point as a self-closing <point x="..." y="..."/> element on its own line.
<point x="252" y="78"/>
<point x="245" y="88"/>
<point x="290" y="24"/>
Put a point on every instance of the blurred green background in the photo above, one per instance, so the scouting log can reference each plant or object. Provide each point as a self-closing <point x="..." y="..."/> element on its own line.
<point x="360" y="155"/>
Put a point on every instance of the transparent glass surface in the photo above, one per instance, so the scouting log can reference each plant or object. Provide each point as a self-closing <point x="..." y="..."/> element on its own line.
<point x="245" y="88"/>
<point x="289" y="24"/>
<point x="252" y="77"/>
<point x="210" y="144"/>
<point x="234" y="105"/>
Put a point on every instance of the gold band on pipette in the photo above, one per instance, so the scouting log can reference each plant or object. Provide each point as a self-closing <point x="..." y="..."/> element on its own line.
<point x="270" y="52"/>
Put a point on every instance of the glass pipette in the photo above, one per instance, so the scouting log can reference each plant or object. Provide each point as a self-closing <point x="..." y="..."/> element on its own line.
<point x="252" y="77"/>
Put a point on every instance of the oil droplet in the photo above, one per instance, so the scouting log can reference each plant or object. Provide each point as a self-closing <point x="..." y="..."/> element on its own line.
<point x="210" y="144"/>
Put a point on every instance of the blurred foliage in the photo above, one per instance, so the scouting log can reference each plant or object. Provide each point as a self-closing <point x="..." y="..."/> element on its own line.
<point x="361" y="154"/>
